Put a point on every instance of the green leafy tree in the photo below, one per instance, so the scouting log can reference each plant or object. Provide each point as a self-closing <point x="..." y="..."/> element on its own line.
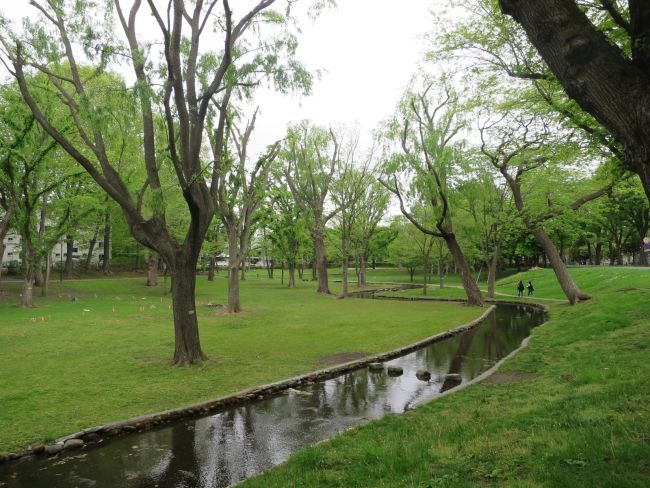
<point x="178" y="73"/>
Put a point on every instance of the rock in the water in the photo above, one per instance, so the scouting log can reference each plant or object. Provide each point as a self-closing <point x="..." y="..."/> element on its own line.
<point x="73" y="444"/>
<point x="92" y="437"/>
<point x="454" y="376"/>
<point x="298" y="392"/>
<point x="423" y="375"/>
<point x="395" y="370"/>
<point x="376" y="367"/>
<point x="53" y="449"/>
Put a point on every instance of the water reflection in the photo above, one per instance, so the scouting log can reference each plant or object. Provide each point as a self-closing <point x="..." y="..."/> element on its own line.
<point x="224" y="448"/>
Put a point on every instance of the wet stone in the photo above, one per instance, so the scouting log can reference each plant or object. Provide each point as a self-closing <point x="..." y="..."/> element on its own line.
<point x="422" y="375"/>
<point x="92" y="437"/>
<point x="454" y="376"/>
<point x="53" y="449"/>
<point x="395" y="370"/>
<point x="73" y="444"/>
<point x="376" y="367"/>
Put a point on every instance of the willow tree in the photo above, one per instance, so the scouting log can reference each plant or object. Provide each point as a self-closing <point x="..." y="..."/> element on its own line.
<point x="425" y="129"/>
<point x="241" y="193"/>
<point x="195" y="52"/>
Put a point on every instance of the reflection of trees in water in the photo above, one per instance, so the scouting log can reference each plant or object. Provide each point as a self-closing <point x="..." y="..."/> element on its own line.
<point x="464" y="345"/>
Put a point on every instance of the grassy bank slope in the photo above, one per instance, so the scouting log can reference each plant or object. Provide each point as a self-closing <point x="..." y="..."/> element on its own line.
<point x="582" y="418"/>
<point x="68" y="365"/>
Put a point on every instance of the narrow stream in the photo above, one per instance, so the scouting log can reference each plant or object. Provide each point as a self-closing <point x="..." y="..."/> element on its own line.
<point x="227" y="447"/>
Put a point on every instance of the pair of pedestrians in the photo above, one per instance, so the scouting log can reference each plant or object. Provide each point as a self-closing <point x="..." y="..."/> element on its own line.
<point x="521" y="287"/>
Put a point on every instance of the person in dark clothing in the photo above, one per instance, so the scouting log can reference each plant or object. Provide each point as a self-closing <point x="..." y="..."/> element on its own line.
<point x="531" y="288"/>
<point x="520" y="289"/>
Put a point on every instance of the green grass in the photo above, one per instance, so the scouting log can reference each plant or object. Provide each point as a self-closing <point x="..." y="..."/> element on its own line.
<point x="69" y="365"/>
<point x="584" y="420"/>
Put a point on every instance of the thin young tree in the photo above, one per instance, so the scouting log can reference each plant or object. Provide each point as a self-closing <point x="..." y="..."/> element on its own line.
<point x="241" y="193"/>
<point x="312" y="155"/>
<point x="347" y="194"/>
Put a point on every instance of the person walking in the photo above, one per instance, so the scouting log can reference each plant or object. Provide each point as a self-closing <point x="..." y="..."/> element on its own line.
<point x="531" y="288"/>
<point x="520" y="289"/>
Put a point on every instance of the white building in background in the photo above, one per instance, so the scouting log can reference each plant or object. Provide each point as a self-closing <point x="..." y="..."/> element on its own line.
<point x="59" y="254"/>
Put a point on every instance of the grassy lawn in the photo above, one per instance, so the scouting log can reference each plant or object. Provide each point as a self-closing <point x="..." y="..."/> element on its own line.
<point x="68" y="365"/>
<point x="582" y="419"/>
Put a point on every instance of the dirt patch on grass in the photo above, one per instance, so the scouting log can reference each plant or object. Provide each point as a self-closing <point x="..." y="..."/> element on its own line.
<point x="342" y="357"/>
<point x="510" y="377"/>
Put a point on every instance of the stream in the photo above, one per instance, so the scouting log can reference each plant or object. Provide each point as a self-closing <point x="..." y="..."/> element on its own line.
<point x="224" y="448"/>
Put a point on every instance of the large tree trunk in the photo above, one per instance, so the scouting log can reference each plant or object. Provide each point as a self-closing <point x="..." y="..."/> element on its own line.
<point x="362" y="270"/>
<point x="594" y="71"/>
<point x="292" y="275"/>
<point x="472" y="291"/>
<point x="106" y="261"/>
<point x="29" y="266"/>
<point x="570" y="289"/>
<point x="321" y="260"/>
<point x="186" y="328"/>
<point x="599" y="253"/>
<point x="152" y="269"/>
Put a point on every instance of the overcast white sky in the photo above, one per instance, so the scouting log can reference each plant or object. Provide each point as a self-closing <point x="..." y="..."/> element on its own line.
<point x="368" y="51"/>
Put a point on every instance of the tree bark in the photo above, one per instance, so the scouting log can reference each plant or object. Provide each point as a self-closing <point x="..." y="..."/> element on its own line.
<point x="91" y="248"/>
<point x="362" y="270"/>
<point x="29" y="258"/>
<point x="69" y="246"/>
<point x="570" y="289"/>
<point x="292" y="275"/>
<point x="345" y="271"/>
<point x="472" y="291"/>
<point x="492" y="271"/>
<point x="152" y="269"/>
<point x="46" y="275"/>
<point x="318" y="236"/>
<point x="4" y="230"/>
<point x="186" y="328"/>
<point x="599" y="253"/>
<point x="234" y="305"/>
<point x="211" y="268"/>
<point x="594" y="72"/>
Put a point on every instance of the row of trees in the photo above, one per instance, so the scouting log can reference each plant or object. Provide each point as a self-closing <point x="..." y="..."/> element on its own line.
<point x="171" y="150"/>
